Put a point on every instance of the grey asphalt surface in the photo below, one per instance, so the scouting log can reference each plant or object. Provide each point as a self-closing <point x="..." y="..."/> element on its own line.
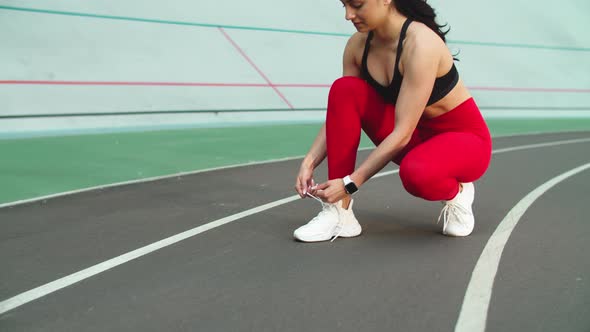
<point x="401" y="274"/>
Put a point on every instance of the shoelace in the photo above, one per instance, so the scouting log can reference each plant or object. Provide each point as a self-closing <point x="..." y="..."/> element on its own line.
<point x="447" y="210"/>
<point x="326" y="206"/>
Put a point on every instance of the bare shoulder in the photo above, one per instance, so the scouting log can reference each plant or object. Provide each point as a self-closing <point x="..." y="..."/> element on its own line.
<point x="423" y="48"/>
<point x="420" y="38"/>
<point x="356" y="42"/>
<point x="353" y="54"/>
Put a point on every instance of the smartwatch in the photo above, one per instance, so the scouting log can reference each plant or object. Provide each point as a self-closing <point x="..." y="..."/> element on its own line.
<point x="349" y="185"/>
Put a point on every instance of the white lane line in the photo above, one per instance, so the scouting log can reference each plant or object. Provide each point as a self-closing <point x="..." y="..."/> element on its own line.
<point x="270" y="161"/>
<point x="56" y="285"/>
<point x="53" y="286"/>
<point x="474" y="311"/>
<point x="540" y="145"/>
<point x="71" y="279"/>
<point x="143" y="180"/>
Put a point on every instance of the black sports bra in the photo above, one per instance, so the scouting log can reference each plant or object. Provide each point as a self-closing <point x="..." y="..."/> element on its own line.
<point x="442" y="85"/>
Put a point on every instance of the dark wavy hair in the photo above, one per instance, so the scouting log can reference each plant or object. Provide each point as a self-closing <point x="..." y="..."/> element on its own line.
<point x="421" y="11"/>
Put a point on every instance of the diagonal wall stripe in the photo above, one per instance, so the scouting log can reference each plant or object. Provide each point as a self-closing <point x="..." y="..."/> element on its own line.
<point x="237" y="47"/>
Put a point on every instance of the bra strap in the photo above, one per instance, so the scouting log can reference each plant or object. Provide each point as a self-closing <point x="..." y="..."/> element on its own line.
<point x="402" y="36"/>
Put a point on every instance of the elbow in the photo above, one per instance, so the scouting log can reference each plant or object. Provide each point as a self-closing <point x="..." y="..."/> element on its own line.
<point x="405" y="140"/>
<point x="403" y="134"/>
<point x="399" y="140"/>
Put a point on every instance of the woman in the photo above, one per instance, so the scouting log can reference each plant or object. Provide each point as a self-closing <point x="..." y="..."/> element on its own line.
<point x="401" y="87"/>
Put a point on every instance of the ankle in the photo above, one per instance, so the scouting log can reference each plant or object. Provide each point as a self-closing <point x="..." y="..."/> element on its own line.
<point x="346" y="202"/>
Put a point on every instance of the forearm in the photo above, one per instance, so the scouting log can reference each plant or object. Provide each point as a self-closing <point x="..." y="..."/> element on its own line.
<point x="380" y="157"/>
<point x="318" y="151"/>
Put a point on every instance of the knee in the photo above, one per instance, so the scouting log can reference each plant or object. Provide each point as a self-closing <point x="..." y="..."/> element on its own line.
<point x="346" y="96"/>
<point x="346" y="86"/>
<point x="418" y="178"/>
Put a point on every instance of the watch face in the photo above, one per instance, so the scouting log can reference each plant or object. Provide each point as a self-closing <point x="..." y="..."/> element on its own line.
<point x="351" y="188"/>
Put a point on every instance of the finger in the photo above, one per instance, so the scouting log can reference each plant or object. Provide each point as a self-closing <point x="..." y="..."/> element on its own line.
<point x="312" y="186"/>
<point x="326" y="196"/>
<point x="301" y="184"/>
<point x="298" y="191"/>
<point x="303" y="188"/>
<point x="321" y="194"/>
<point x="323" y="186"/>
<point x="309" y="185"/>
<point x="299" y="188"/>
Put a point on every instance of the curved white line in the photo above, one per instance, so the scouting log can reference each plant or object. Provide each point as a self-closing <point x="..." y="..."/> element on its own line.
<point x="270" y="161"/>
<point x="71" y="279"/>
<point x="474" y="311"/>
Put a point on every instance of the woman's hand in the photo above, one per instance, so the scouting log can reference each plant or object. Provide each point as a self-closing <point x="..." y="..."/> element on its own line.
<point x="331" y="191"/>
<point x="304" y="181"/>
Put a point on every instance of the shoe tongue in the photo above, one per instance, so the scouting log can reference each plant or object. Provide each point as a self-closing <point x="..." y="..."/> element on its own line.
<point x="328" y="206"/>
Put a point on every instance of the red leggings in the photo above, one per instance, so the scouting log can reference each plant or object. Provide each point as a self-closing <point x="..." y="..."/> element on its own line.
<point x="445" y="150"/>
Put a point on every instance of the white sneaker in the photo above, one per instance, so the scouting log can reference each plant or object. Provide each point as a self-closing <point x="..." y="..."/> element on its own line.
<point x="458" y="215"/>
<point x="333" y="221"/>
